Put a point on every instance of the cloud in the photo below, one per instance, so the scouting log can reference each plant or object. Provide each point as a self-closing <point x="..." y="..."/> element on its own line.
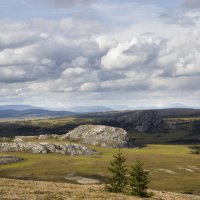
<point x="73" y="71"/>
<point x="87" y="87"/>
<point x="101" y="61"/>
<point x="192" y="4"/>
<point x="12" y="74"/>
<point x="137" y="52"/>
<point x="177" y="60"/>
<point x="66" y="3"/>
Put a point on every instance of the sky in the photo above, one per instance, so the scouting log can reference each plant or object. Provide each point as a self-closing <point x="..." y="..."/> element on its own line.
<point x="63" y="53"/>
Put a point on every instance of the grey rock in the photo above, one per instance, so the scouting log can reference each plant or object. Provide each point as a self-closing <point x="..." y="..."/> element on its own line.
<point x="99" y="135"/>
<point x="9" y="159"/>
<point x="142" y="121"/>
<point x="66" y="149"/>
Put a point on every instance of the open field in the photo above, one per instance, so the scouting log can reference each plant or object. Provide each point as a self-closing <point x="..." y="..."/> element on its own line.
<point x="34" y="190"/>
<point x="172" y="167"/>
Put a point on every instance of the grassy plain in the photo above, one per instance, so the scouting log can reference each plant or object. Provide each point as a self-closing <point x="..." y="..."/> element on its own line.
<point x="173" y="167"/>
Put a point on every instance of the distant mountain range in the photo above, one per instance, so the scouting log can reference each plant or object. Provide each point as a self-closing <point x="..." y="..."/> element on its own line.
<point x="89" y="109"/>
<point x="19" y="107"/>
<point x="13" y="111"/>
<point x="33" y="113"/>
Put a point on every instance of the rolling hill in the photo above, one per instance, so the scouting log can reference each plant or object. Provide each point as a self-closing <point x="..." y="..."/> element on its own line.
<point x="33" y="113"/>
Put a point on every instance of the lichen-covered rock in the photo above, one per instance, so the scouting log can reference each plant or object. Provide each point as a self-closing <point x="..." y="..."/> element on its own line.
<point x="99" y="135"/>
<point x="67" y="149"/>
<point x="9" y="159"/>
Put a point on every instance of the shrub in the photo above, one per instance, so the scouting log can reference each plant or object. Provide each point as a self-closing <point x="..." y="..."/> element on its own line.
<point x="139" y="180"/>
<point x="118" y="181"/>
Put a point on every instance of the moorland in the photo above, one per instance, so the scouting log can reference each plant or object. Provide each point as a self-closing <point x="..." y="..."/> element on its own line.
<point x="165" y="147"/>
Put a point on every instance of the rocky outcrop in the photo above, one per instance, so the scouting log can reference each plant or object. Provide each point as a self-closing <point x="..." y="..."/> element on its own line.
<point x="142" y="121"/>
<point x="9" y="159"/>
<point x="28" y="147"/>
<point x="104" y="136"/>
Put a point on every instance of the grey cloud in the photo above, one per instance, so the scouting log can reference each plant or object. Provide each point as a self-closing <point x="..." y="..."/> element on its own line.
<point x="43" y="54"/>
<point x="192" y="4"/>
<point x="105" y="75"/>
<point x="131" y="87"/>
<point x="66" y="3"/>
<point x="178" y="19"/>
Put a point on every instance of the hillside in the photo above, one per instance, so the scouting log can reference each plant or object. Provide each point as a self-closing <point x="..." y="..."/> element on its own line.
<point x="166" y="126"/>
<point x="21" y="190"/>
<point x="18" y="107"/>
<point x="89" y="109"/>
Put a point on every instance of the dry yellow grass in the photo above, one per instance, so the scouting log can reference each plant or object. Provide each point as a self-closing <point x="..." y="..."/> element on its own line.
<point x="11" y="189"/>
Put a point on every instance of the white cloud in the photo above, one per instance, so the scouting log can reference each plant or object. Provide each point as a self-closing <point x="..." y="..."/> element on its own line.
<point x="130" y="54"/>
<point x="73" y="71"/>
<point x="180" y="56"/>
<point x="87" y="87"/>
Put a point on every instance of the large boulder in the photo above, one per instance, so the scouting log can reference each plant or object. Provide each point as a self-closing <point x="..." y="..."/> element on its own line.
<point x="99" y="135"/>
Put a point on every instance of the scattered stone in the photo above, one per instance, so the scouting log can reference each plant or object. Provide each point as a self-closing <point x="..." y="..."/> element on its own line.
<point x="46" y="136"/>
<point x="44" y="148"/>
<point x="167" y="171"/>
<point x="17" y="140"/>
<point x="187" y="169"/>
<point x="99" y="135"/>
<point x="194" y="167"/>
<point x="9" y="159"/>
<point x="82" y="180"/>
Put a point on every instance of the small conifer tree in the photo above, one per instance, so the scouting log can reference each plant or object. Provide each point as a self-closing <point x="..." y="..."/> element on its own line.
<point x="139" y="180"/>
<point x="118" y="181"/>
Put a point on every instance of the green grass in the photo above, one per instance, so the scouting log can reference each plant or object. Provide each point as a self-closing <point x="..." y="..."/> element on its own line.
<point x="55" y="167"/>
<point x="157" y="138"/>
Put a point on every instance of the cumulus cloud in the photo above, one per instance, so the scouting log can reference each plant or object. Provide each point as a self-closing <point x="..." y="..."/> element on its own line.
<point x="87" y="87"/>
<point x="131" y="54"/>
<point x="63" y="60"/>
<point x="181" y="56"/>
